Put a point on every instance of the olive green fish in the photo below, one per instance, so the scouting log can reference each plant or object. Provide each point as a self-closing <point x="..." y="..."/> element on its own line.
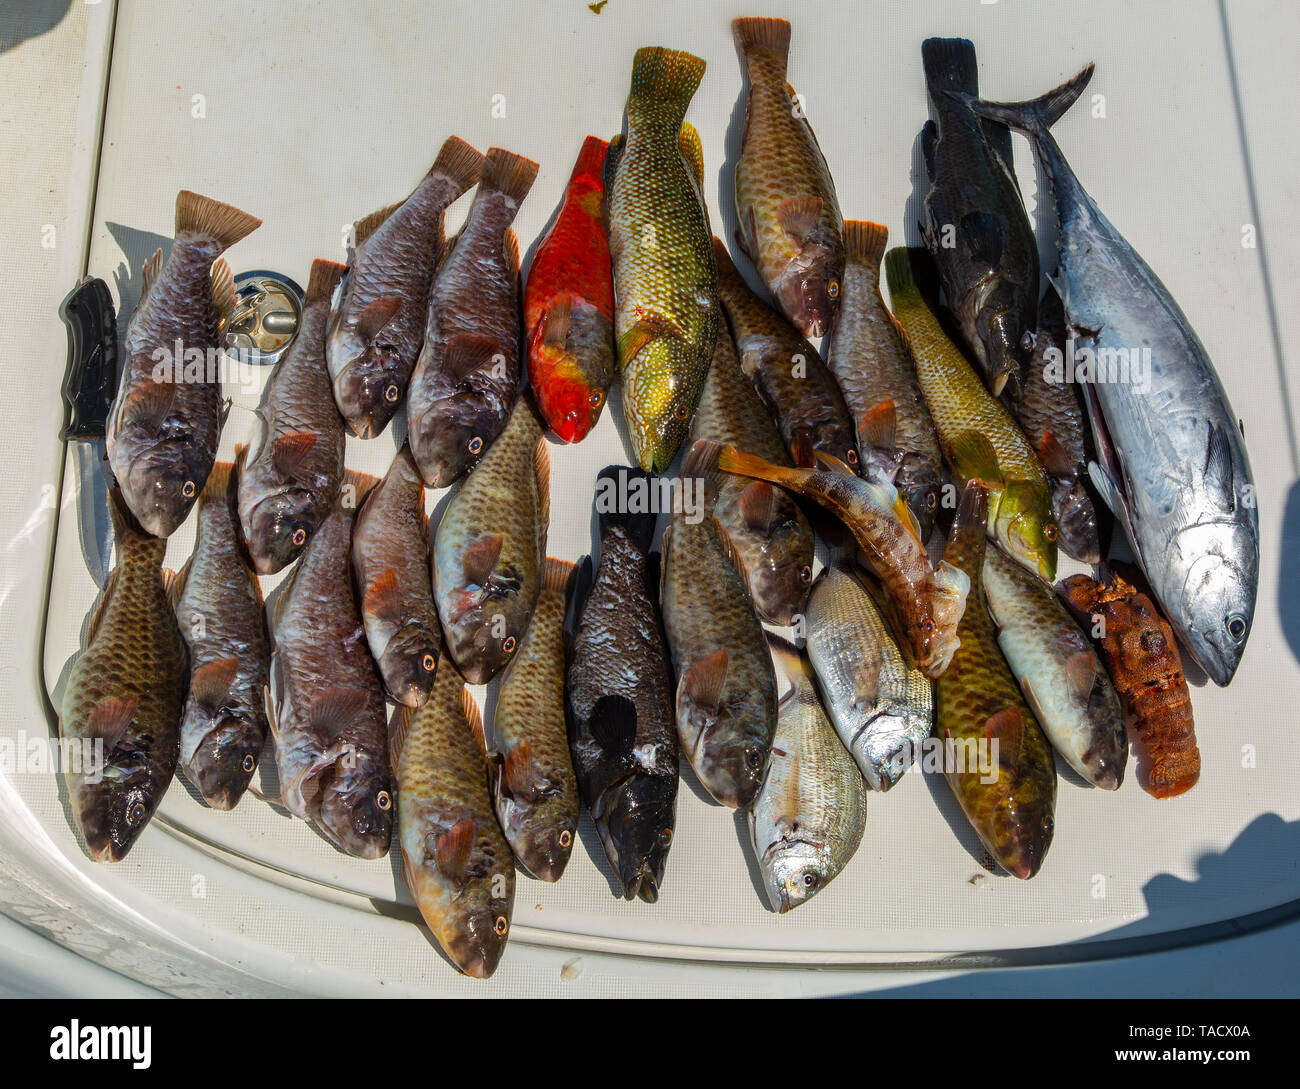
<point x="665" y="283"/>
<point x="455" y="860"/>
<point x="997" y="759"/>
<point x="979" y="438"/>
<point x="530" y="771"/>
<point x="124" y="696"/>
<point x="790" y="222"/>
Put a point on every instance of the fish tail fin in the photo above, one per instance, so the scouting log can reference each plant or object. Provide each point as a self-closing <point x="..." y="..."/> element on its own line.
<point x="950" y="65"/>
<point x="898" y="274"/>
<point x="225" y="223"/>
<point x="755" y="34"/>
<point x="638" y="525"/>
<point x="356" y="486"/>
<point x="128" y="534"/>
<point x="557" y="575"/>
<point x="591" y="160"/>
<point x="323" y="279"/>
<point x="865" y="242"/>
<point x="665" y="77"/>
<point x="219" y="482"/>
<point x="508" y="173"/>
<point x="458" y="162"/>
<point x="789" y="657"/>
<point x="731" y="460"/>
<point x="701" y="462"/>
<point x="1037" y="115"/>
<point x="965" y="549"/>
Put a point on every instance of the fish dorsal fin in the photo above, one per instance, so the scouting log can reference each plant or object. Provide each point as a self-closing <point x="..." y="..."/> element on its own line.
<point x="383" y="598"/>
<point x="582" y="583"/>
<point x="470" y="352"/>
<point x="272" y="719"/>
<point x="1053" y="456"/>
<point x="451" y="849"/>
<point x="356" y="487"/>
<point x="223" y="288"/>
<point x="376" y="315"/>
<point x="148" y="404"/>
<point x="976" y="459"/>
<point x="290" y="450"/>
<point x="555" y="324"/>
<point x="1007" y="727"/>
<point x="730" y="551"/>
<point x="613" y="724"/>
<point x="542" y="476"/>
<point x="665" y="546"/>
<point x="758" y="506"/>
<point x="798" y="216"/>
<point x="612" y="155"/>
<point x="334" y="709"/>
<point x="97" y="616"/>
<point x="480" y="558"/>
<point x="692" y="151"/>
<point x="878" y="426"/>
<point x="473" y="718"/>
<point x="109" y="718"/>
<point x="211" y="683"/>
<point x="149" y="273"/>
<point x="398" y="727"/>
<point x="510" y="250"/>
<point x="706" y="681"/>
<point x="368" y="225"/>
<point x="1218" y="467"/>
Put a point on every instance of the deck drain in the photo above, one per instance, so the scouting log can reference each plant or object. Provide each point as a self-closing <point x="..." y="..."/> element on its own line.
<point x="268" y="309"/>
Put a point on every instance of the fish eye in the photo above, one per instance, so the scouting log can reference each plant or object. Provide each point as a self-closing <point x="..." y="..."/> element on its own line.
<point x="927" y="626"/>
<point x="597" y="398"/>
<point x="682" y="411"/>
<point x="809" y="879"/>
<point x="665" y="837"/>
<point x="931" y="501"/>
<point x="135" y="813"/>
<point x="509" y="644"/>
<point x="1050" y="531"/>
<point x="391" y="393"/>
<point x="188" y="489"/>
<point x="299" y="537"/>
<point x="833" y="288"/>
<point x="753" y="758"/>
<point x="248" y="763"/>
<point x="475" y="444"/>
<point x="805" y="573"/>
<point x="1236" y="625"/>
<point x="566" y="837"/>
<point x="501" y="926"/>
<point x="384" y="800"/>
<point x="851" y="457"/>
<point x="428" y="662"/>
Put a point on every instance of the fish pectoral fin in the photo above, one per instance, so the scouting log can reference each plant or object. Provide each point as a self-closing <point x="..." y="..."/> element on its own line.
<point x="517" y="774"/>
<point x="555" y="325"/>
<point x="334" y="709"/>
<point x="645" y="331"/>
<point x="982" y="232"/>
<point x="470" y="352"/>
<point x="1081" y="674"/>
<point x="109" y="718"/>
<point x="148" y="404"/>
<point x="878" y="426"/>
<point x="1218" y="467"/>
<point x="290" y="450"/>
<point x="831" y="462"/>
<point x="1113" y="496"/>
<point x="451" y="849"/>
<point x="802" y="451"/>
<point x="383" y="598"/>
<point x="706" y="681"/>
<point x="866" y="681"/>
<point x="211" y="683"/>
<point x="480" y="558"/>
<point x="1053" y="456"/>
<point x="798" y="216"/>
<point x="613" y="724"/>
<point x="973" y="454"/>
<point x="375" y="316"/>
<point x="1007" y="728"/>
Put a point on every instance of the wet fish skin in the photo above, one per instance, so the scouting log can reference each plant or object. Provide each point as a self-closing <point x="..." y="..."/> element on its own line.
<point x="882" y="708"/>
<point x="926" y="603"/>
<point x="619" y="698"/>
<point x="391" y="568"/>
<point x="456" y="863"/>
<point x="127" y="687"/>
<point x="975" y="226"/>
<point x="376" y="323"/>
<point x="220" y="614"/>
<point x="468" y="374"/>
<point x="977" y="701"/>
<point x="289" y="484"/>
<point x="490" y="547"/>
<point x="163" y="430"/>
<point x="569" y="305"/>
<point x="530" y="771"/>
<point x="869" y="356"/>
<point x="979" y="438"/>
<point x="726" y="688"/>
<point x="1059" y="673"/>
<point x="1172" y="463"/>
<point x="766" y="529"/>
<point x="787" y="372"/>
<point x="328" y="714"/>
<point x="807" y="821"/>
<point x="666" y="309"/>
<point x="790" y="222"/>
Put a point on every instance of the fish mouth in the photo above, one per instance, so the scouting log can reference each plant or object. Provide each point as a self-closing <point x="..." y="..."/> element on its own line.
<point x="642" y="885"/>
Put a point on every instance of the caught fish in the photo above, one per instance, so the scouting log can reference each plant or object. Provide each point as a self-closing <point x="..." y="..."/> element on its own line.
<point x="979" y="438"/>
<point x="975" y="226"/>
<point x="125" y="692"/>
<point x="1059" y="673"/>
<point x="999" y="763"/>
<point x="328" y="715"/>
<point x="456" y="863"/>
<point x="1139" y="649"/>
<point x="872" y="363"/>
<point x="1050" y="412"/>
<point x="377" y="320"/>
<point x="1172" y="466"/>
<point x="790" y="224"/>
<point x="926" y="602"/>
<point x="467" y="377"/>
<point x="290" y="482"/>
<point x="726" y="689"/>
<point x="665" y="284"/>
<point x="490" y="548"/>
<point x="767" y="530"/>
<point x="790" y="377"/>
<point x="882" y="708"/>
<point x="619" y="698"/>
<point x="219" y="609"/>
<point x="165" y="424"/>
<point x="808" y="818"/>
<point x="569" y="305"/>
<point x="390" y="563"/>
<point x="530" y="772"/>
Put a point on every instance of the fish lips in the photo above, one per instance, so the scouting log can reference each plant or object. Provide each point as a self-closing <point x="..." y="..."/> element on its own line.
<point x="155" y="487"/>
<point x="271" y="525"/>
<point x="223" y="764"/>
<point x="636" y="826"/>
<point x="369" y="389"/>
<point x="354" y="806"/>
<point x="793" y="871"/>
<point x="114" y="811"/>
<point x="476" y="940"/>
<point x="1021" y="836"/>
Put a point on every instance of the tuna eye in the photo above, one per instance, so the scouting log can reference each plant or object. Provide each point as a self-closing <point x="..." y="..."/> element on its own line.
<point x="833" y="289"/>
<point x="1049" y="531"/>
<point x="249" y="763"/>
<point x="188" y="489"/>
<point x="501" y="926"/>
<point x="299" y="537"/>
<point x="428" y="662"/>
<point x="809" y="880"/>
<point x="805" y="573"/>
<point x="1236" y="625"/>
<point x="597" y="398"/>
<point x="851" y="457"/>
<point x="135" y="813"/>
<point x="475" y="444"/>
<point x="391" y="393"/>
<point x="566" y="837"/>
<point x="384" y="800"/>
<point x="665" y="837"/>
<point x="682" y="411"/>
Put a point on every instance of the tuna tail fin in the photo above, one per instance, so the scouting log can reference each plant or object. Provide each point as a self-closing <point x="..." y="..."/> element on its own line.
<point x="865" y="242"/>
<point x="459" y="162"/>
<point x="759" y="34"/>
<point x="508" y="173"/>
<point x="225" y="223"/>
<point x="1037" y="115"/>
<point x="666" y="77"/>
<point x="638" y="526"/>
<point x="949" y="65"/>
<point x="323" y="279"/>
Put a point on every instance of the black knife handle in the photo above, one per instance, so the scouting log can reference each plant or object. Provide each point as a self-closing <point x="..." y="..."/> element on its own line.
<point x="91" y="380"/>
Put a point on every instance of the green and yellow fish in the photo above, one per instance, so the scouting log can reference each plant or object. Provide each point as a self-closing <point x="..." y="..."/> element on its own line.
<point x="978" y="436"/>
<point x="660" y="246"/>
